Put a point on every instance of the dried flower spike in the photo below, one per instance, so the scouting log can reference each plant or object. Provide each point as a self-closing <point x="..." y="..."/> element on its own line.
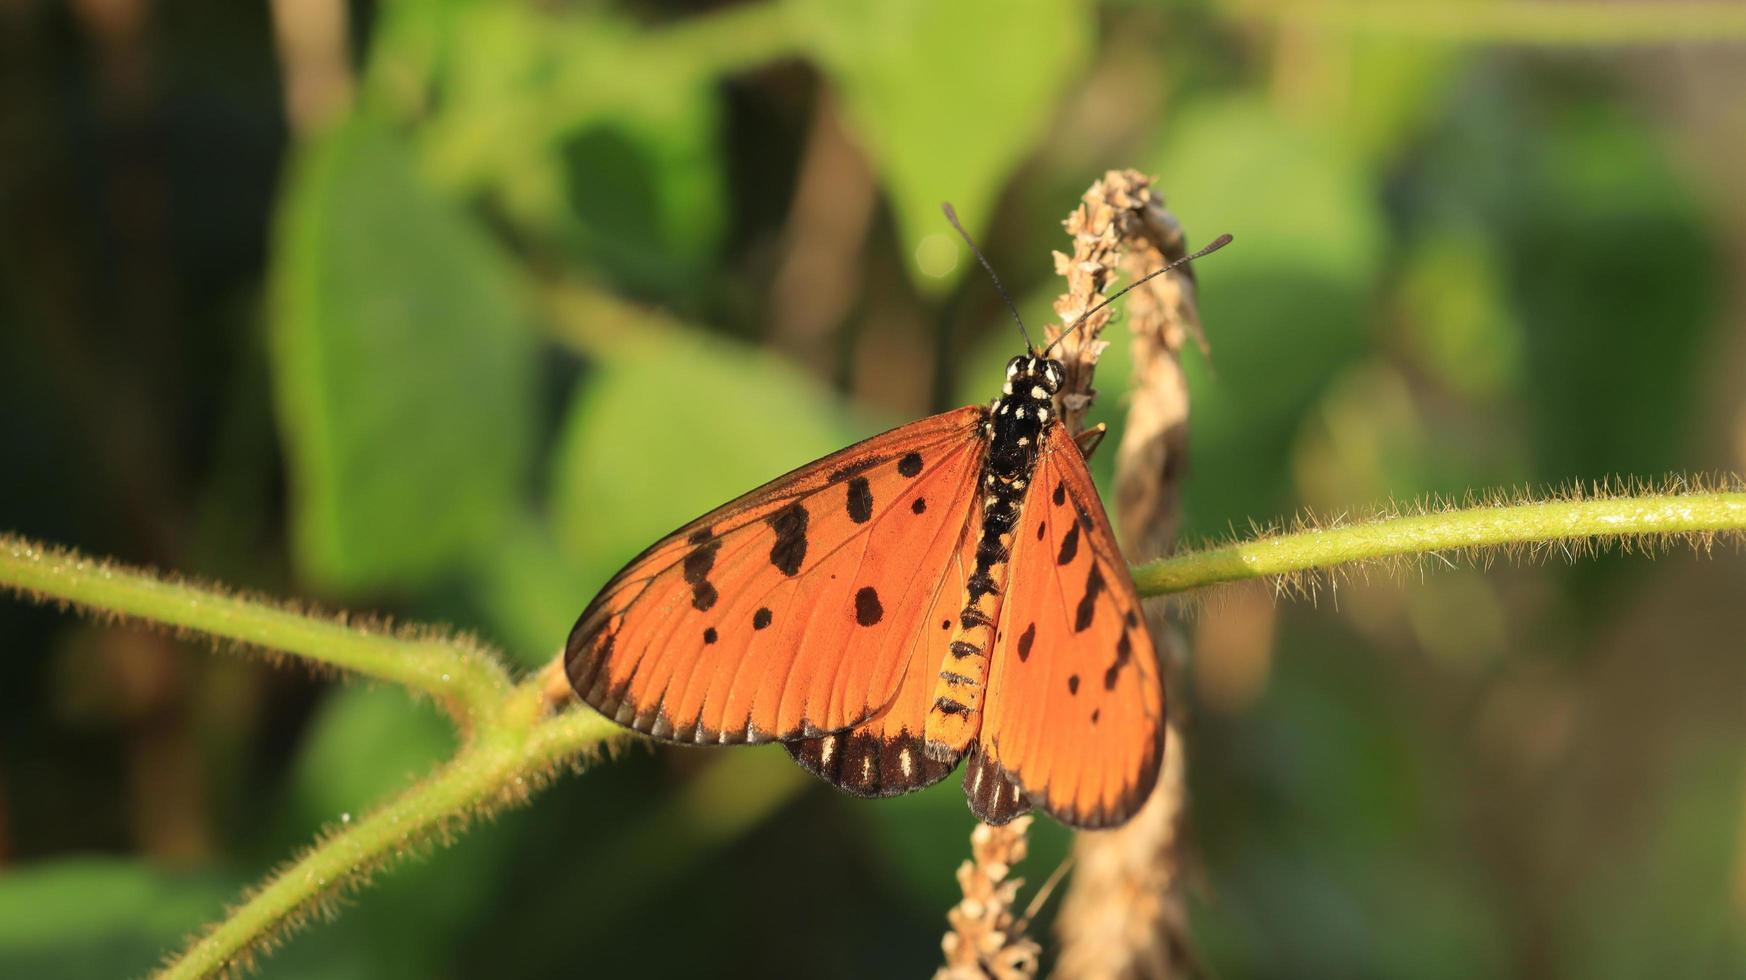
<point x="986" y="940"/>
<point x="1124" y="913"/>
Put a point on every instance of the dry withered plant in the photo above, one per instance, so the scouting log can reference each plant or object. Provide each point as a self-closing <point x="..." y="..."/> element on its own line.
<point x="1124" y="914"/>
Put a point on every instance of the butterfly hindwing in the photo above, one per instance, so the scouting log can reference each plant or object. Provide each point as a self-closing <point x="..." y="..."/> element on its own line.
<point x="791" y="612"/>
<point x="1075" y="707"/>
<point x="994" y="796"/>
<point x="886" y="755"/>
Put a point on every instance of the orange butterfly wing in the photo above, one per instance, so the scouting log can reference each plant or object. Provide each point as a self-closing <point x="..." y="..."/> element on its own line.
<point x="1075" y="707"/>
<point x="793" y="611"/>
<point x="886" y="755"/>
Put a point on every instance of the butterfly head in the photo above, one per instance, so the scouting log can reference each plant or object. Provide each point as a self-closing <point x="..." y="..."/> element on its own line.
<point x="1036" y="378"/>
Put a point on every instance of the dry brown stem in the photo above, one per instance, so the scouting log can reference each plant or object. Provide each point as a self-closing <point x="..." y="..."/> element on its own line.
<point x="985" y="939"/>
<point x="1124" y="914"/>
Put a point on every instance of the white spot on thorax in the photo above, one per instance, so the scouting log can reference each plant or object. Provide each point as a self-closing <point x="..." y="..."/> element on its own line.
<point x="1007" y="388"/>
<point x="1038" y="393"/>
<point x="1020" y="413"/>
<point x="1042" y="415"/>
<point x="1024" y="440"/>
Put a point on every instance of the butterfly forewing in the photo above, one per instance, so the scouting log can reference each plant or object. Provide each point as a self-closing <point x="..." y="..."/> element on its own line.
<point x="1075" y="707"/>
<point x="793" y="611"/>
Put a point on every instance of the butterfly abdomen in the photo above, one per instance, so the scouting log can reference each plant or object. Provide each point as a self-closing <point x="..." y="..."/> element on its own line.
<point x="1013" y="429"/>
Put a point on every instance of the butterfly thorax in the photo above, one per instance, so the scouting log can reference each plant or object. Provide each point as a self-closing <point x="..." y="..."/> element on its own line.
<point x="1014" y="429"/>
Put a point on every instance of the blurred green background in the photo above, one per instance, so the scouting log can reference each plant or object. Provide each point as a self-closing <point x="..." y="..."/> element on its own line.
<point x="444" y="309"/>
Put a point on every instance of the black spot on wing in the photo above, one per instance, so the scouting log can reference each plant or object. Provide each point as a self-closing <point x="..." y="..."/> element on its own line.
<point x="1060" y="496"/>
<point x="696" y="569"/>
<point x="1124" y="653"/>
<point x="761" y="618"/>
<point x="860" y="500"/>
<point x="920" y="505"/>
<point x="700" y="535"/>
<point x="1069" y="545"/>
<point x="1084" y="517"/>
<point x="1088" y="602"/>
<point x="945" y="624"/>
<point x="1072" y="683"/>
<point x="1132" y="620"/>
<point x="709" y="635"/>
<point x="789" y="551"/>
<point x="1041" y="529"/>
<point x="1028" y="637"/>
<point x="868" y="611"/>
<point x="910" y="464"/>
<point x="1095" y="713"/>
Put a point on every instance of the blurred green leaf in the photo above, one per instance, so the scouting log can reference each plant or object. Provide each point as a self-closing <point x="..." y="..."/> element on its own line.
<point x="1284" y="307"/>
<point x="402" y="367"/>
<point x="1455" y="316"/>
<point x="364" y="744"/>
<point x="673" y="428"/>
<point x="947" y="98"/>
<point x="1614" y="328"/>
<point x="96" y="917"/>
<point x="645" y="197"/>
<point x="1388" y="91"/>
<point x="1671" y="907"/>
<point x="532" y="592"/>
<point x="1331" y="867"/>
<point x="622" y="169"/>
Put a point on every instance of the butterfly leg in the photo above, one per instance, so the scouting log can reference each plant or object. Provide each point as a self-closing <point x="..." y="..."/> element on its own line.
<point x="1090" y="439"/>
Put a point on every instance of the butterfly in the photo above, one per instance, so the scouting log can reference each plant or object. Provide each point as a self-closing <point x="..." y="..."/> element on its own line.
<point x="948" y="591"/>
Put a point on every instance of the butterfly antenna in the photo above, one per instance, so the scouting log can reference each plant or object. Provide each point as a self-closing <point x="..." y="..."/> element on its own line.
<point x="1213" y="246"/>
<point x="1043" y="893"/>
<point x="952" y="216"/>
